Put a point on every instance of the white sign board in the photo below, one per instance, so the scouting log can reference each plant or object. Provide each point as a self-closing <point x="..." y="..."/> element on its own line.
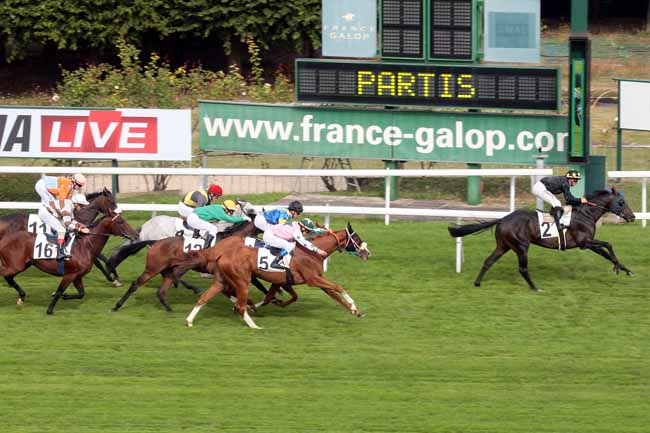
<point x="512" y="31"/>
<point x="634" y="105"/>
<point x="123" y="134"/>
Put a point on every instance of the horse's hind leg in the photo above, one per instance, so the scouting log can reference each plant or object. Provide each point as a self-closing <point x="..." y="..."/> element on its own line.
<point x="522" y="255"/>
<point x="168" y="279"/>
<point x="189" y="286"/>
<point x="21" y="293"/>
<point x="499" y="251"/>
<point x="111" y="277"/>
<point x="146" y="276"/>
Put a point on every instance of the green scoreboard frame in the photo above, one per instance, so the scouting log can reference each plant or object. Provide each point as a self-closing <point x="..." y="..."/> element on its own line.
<point x="445" y="85"/>
<point x="438" y="30"/>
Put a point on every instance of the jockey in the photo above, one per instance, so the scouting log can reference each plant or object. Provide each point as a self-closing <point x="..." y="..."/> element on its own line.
<point x="310" y="228"/>
<point x="264" y="220"/>
<point x="198" y="198"/>
<point x="201" y="218"/>
<point x="285" y="236"/>
<point x="547" y="187"/>
<point x="56" y="204"/>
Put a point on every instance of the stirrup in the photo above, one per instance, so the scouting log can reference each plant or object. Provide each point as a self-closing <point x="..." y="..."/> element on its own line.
<point x="208" y="240"/>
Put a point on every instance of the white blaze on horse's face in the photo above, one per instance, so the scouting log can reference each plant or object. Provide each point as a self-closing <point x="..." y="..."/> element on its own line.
<point x="364" y="252"/>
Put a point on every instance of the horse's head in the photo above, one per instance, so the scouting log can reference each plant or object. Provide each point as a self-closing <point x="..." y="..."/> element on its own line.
<point x="614" y="202"/>
<point x="245" y="208"/>
<point x="119" y="227"/>
<point x="354" y="243"/>
<point x="104" y="202"/>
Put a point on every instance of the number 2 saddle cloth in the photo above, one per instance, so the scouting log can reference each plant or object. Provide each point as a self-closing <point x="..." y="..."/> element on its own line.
<point x="192" y="239"/>
<point x="547" y="226"/>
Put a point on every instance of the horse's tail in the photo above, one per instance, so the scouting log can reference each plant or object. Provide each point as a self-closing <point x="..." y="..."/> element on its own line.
<point x="119" y="254"/>
<point x="468" y="229"/>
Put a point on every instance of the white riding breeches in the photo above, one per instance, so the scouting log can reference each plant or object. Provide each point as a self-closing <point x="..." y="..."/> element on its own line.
<point x="197" y="223"/>
<point x="52" y="221"/>
<point x="539" y="190"/>
<point x="261" y="223"/>
<point x="184" y="210"/>
<point x="43" y="193"/>
<point x="277" y="242"/>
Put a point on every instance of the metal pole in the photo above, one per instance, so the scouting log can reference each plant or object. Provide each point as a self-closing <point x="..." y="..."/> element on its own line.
<point x="473" y="186"/>
<point x="204" y="164"/>
<point x="387" y="199"/>
<point x="512" y="194"/>
<point x="644" y="199"/>
<point x="115" y="181"/>
<point x="459" y="252"/>
<point x="619" y="148"/>
<point x="327" y="226"/>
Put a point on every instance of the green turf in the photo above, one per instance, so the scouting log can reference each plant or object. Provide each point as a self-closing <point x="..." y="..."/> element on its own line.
<point x="433" y="354"/>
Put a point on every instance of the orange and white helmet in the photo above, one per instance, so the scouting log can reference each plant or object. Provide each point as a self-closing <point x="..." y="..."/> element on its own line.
<point x="79" y="179"/>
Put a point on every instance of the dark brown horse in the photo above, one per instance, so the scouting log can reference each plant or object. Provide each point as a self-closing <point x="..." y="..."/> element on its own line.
<point x="101" y="202"/>
<point x="164" y="253"/>
<point x="517" y="230"/>
<point x="236" y="264"/>
<point x="16" y="252"/>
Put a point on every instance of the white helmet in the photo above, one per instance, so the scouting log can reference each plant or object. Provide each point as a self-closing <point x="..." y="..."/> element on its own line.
<point x="79" y="179"/>
<point x="79" y="198"/>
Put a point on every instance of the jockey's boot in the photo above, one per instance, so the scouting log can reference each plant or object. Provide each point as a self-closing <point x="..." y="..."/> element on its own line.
<point x="209" y="237"/>
<point x="60" y="249"/>
<point x="556" y="213"/>
<point x="277" y="263"/>
<point x="196" y="234"/>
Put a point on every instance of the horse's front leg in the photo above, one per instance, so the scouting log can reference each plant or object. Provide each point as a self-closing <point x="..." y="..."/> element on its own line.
<point x="81" y="291"/>
<point x="335" y="292"/>
<point x="606" y="250"/>
<point x="65" y="282"/>
<point x="111" y="277"/>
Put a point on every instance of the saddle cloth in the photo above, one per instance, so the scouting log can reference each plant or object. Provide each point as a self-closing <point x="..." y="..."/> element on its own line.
<point x="190" y="243"/>
<point x="181" y="228"/>
<point x="36" y="225"/>
<point x="547" y="226"/>
<point x="266" y="255"/>
<point x="45" y="246"/>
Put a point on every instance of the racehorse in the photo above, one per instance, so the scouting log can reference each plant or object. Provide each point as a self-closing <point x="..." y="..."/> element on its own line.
<point x="163" y="255"/>
<point x="236" y="264"/>
<point x="16" y="255"/>
<point x="99" y="202"/>
<point x="162" y="227"/>
<point x="517" y="230"/>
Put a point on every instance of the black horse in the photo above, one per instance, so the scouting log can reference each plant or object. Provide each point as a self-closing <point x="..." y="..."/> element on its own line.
<point x="517" y="230"/>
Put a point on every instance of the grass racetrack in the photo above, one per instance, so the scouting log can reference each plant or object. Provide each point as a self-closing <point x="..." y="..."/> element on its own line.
<point x="433" y="354"/>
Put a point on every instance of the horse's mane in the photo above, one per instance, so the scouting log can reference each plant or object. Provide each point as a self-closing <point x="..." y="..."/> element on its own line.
<point x="599" y="193"/>
<point x="92" y="195"/>
<point x="236" y="228"/>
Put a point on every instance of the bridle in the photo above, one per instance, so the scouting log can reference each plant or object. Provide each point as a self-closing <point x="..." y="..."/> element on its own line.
<point x="349" y="240"/>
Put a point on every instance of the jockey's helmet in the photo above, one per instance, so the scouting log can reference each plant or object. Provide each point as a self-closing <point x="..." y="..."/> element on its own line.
<point x="295" y="206"/>
<point x="215" y="189"/>
<point x="573" y="174"/>
<point x="229" y="205"/>
<point x="307" y="223"/>
<point x="79" y="179"/>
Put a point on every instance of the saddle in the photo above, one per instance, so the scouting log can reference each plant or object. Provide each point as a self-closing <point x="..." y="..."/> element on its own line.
<point x="265" y="256"/>
<point x="258" y="243"/>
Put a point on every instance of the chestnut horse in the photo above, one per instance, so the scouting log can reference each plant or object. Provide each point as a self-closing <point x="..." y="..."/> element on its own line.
<point x="16" y="251"/>
<point x="236" y="264"/>
<point x="99" y="202"/>
<point x="163" y="255"/>
<point x="517" y="230"/>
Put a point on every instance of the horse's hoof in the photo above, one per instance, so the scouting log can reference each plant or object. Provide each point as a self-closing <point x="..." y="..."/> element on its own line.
<point x="630" y="274"/>
<point x="50" y="312"/>
<point x="188" y="324"/>
<point x="361" y="315"/>
<point x="117" y="283"/>
<point x="477" y="284"/>
<point x="20" y="301"/>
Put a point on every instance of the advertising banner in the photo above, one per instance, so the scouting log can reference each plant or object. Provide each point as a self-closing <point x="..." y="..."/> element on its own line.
<point x="123" y="134"/>
<point x="349" y="28"/>
<point x="512" y="31"/>
<point x="634" y="104"/>
<point x="489" y="138"/>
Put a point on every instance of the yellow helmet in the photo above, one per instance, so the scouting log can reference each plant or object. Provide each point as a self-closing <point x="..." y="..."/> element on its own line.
<point x="229" y="205"/>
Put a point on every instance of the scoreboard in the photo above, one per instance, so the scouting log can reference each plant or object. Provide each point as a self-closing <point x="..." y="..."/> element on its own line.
<point x="466" y="86"/>
<point x="429" y="29"/>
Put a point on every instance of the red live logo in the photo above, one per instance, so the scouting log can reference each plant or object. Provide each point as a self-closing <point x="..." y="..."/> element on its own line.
<point x="100" y="131"/>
